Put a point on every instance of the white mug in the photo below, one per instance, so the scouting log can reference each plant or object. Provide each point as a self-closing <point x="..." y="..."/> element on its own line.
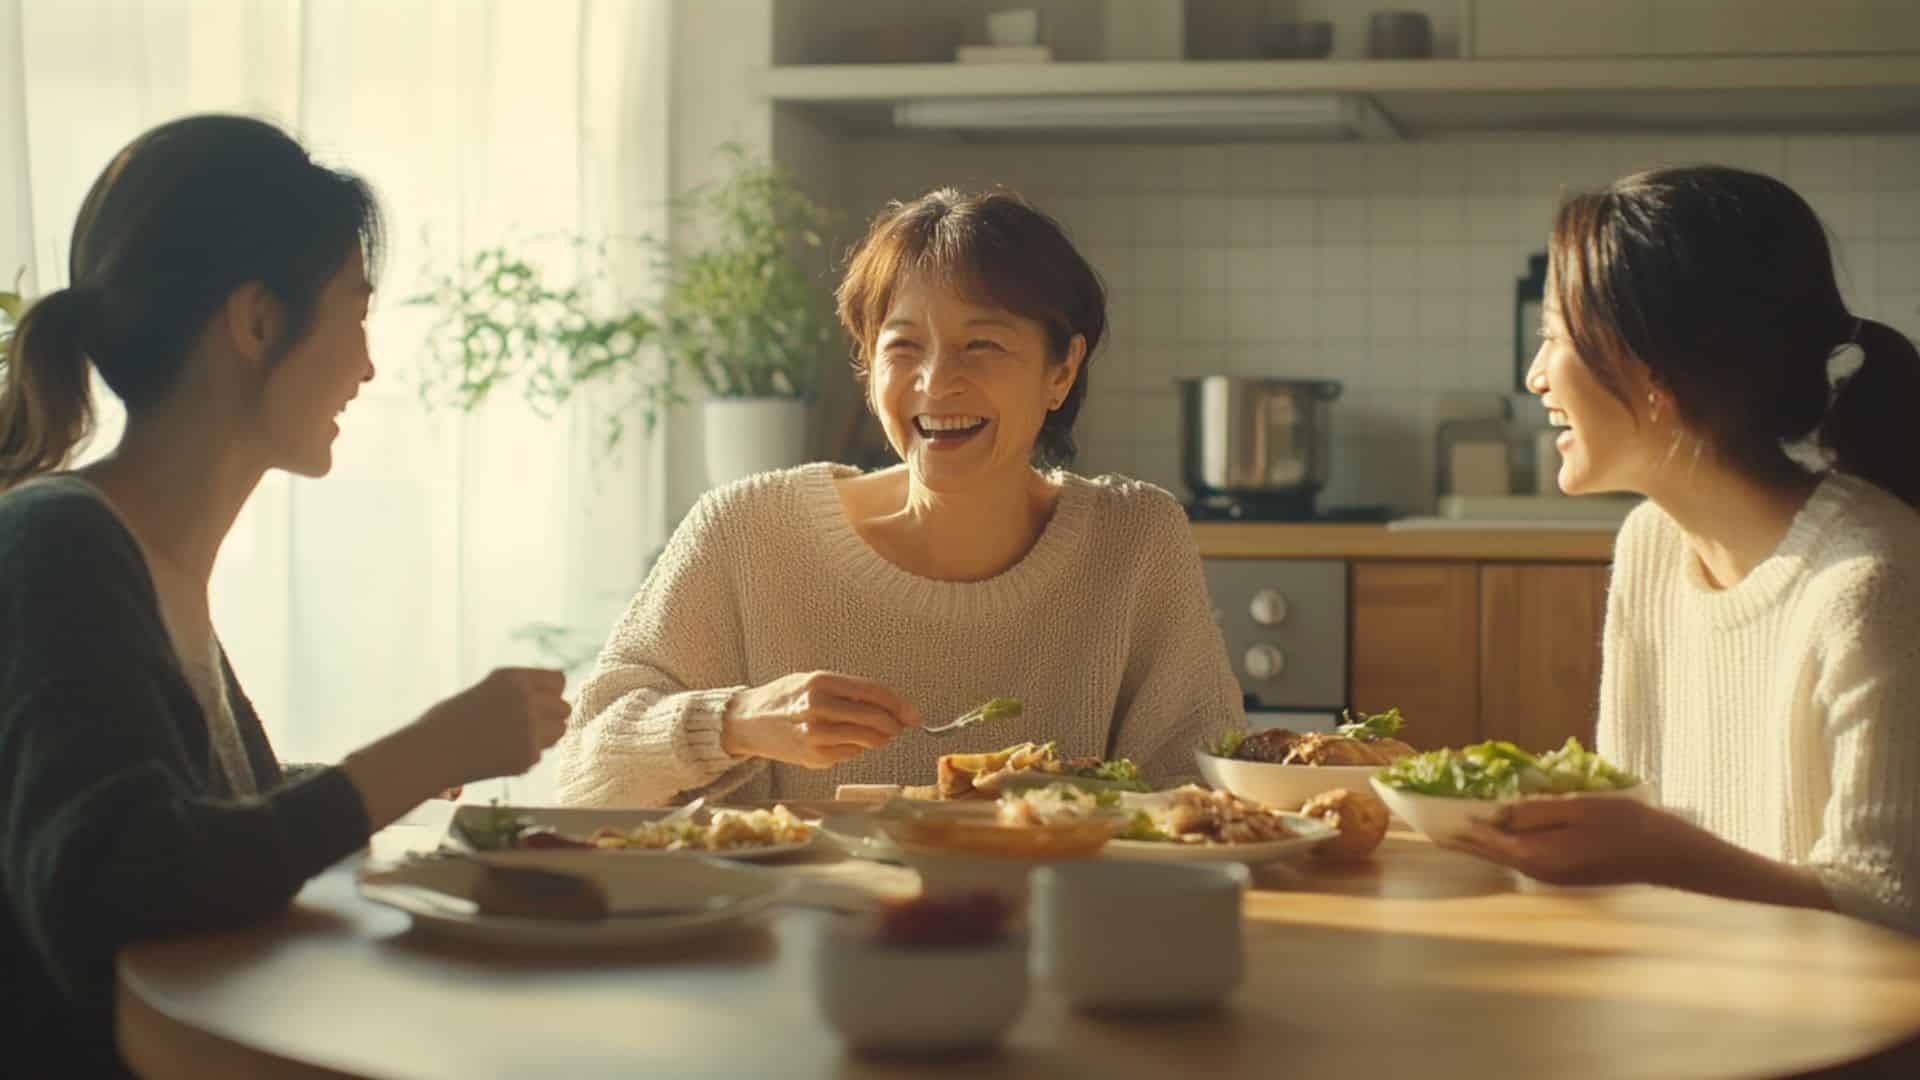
<point x="1136" y="936"/>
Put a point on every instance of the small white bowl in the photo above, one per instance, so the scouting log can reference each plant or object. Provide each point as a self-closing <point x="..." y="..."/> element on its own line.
<point x="1442" y="818"/>
<point x="909" y="1000"/>
<point x="1283" y="787"/>
<point x="1139" y="937"/>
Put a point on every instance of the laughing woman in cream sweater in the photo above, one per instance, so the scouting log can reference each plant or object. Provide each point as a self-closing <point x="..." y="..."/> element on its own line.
<point x="801" y="624"/>
<point x="1762" y="649"/>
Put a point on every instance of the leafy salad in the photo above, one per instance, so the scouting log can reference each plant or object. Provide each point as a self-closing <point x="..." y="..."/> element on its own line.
<point x="1366" y="727"/>
<point x="1500" y="770"/>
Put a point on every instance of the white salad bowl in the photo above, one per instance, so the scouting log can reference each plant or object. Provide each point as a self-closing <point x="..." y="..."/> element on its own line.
<point x="1283" y="787"/>
<point x="1442" y="817"/>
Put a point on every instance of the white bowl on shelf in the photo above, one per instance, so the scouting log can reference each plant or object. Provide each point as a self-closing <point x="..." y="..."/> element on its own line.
<point x="1442" y="818"/>
<point x="917" y="1000"/>
<point x="1283" y="787"/>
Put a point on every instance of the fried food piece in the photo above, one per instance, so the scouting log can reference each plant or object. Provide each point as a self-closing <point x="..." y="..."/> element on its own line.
<point x="977" y="776"/>
<point x="1360" y="816"/>
<point x="1394" y="749"/>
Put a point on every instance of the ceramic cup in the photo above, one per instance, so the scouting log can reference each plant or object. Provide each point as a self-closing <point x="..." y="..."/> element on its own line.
<point x="1138" y="937"/>
<point x="901" y="1000"/>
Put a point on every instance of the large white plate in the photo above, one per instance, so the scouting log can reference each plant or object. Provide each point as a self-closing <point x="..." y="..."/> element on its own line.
<point x="436" y="893"/>
<point x="1308" y="832"/>
<point x="576" y="821"/>
<point x="859" y="836"/>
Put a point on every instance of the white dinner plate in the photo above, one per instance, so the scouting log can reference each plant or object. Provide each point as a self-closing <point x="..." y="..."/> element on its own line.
<point x="580" y="822"/>
<point x="1307" y="833"/>
<point x="859" y="836"/>
<point x="437" y="893"/>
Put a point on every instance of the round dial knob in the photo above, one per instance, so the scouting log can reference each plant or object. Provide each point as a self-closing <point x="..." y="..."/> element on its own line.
<point x="1268" y="608"/>
<point x="1265" y="661"/>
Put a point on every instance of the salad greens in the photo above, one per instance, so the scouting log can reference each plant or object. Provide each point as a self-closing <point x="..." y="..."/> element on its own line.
<point x="1120" y="772"/>
<point x="494" y="829"/>
<point x="1000" y="708"/>
<point x="1226" y="744"/>
<point x="1500" y="770"/>
<point x="1143" y="828"/>
<point x="1371" y="726"/>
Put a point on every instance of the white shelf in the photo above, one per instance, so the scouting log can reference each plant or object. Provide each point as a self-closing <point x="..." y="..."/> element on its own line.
<point x="1427" y="97"/>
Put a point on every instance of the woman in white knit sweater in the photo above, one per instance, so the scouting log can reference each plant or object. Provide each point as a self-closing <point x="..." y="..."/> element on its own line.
<point x="1762" y="648"/>
<point x="802" y="624"/>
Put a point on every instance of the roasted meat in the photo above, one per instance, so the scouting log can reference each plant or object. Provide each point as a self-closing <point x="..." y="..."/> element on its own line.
<point x="1272" y="746"/>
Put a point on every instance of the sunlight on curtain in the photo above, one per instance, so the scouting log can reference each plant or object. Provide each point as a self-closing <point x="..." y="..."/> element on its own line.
<point x="351" y="603"/>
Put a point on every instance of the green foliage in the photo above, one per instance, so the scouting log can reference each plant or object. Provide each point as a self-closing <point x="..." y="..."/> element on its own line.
<point x="739" y="310"/>
<point x="11" y="305"/>
<point x="742" y="312"/>
<point x="501" y="322"/>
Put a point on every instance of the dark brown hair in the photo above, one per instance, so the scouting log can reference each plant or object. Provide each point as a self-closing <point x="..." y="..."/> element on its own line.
<point x="1721" y="282"/>
<point x="995" y="249"/>
<point x="184" y="215"/>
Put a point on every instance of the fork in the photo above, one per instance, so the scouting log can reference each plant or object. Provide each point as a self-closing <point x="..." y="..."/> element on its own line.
<point x="686" y="811"/>
<point x="1000" y="708"/>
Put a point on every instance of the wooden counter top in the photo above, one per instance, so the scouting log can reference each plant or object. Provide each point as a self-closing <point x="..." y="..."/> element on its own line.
<point x="1267" y="540"/>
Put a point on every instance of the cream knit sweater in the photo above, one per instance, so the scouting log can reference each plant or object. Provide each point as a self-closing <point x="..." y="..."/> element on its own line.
<point x="1104" y="630"/>
<point x="1780" y="713"/>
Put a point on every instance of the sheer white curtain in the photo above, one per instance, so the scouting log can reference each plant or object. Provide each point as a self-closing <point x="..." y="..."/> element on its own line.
<point x="351" y="603"/>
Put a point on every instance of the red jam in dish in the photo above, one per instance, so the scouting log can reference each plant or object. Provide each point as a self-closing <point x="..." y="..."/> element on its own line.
<point x="974" y="918"/>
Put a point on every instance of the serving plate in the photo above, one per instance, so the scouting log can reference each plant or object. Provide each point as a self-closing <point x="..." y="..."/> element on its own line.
<point x="703" y="895"/>
<point x="582" y="822"/>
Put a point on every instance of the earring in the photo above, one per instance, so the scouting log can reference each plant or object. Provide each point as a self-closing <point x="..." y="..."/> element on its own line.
<point x="1653" y="407"/>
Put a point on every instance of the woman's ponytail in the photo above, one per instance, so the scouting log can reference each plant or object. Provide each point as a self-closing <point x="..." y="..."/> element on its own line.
<point x="45" y="408"/>
<point x="1870" y="429"/>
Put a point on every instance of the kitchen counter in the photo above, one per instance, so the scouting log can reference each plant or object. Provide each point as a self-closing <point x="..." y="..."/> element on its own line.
<point x="1272" y="540"/>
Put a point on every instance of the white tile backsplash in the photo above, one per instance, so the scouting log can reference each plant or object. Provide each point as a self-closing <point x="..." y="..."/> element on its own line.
<point x="1388" y="267"/>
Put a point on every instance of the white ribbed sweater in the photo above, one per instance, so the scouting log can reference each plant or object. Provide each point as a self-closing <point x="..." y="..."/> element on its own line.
<point x="1104" y="630"/>
<point x="1780" y="713"/>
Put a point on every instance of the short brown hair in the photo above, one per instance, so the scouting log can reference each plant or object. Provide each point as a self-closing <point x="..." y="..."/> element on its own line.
<point x="995" y="248"/>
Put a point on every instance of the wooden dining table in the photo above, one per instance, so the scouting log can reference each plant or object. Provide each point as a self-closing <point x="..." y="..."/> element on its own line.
<point x="1417" y="962"/>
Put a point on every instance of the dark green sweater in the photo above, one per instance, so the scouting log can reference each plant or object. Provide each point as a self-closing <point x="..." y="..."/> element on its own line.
<point x="113" y="821"/>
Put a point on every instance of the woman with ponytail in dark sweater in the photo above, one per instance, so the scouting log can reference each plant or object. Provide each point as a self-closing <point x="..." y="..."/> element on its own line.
<point x="1762" y="648"/>
<point x="220" y="279"/>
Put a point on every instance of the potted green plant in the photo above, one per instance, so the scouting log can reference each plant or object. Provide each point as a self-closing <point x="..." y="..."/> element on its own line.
<point x="745" y="313"/>
<point x="502" y="322"/>
<point x="11" y="305"/>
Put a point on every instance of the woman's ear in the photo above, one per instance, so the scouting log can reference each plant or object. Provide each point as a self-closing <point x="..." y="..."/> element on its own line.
<point x="1067" y="370"/>
<point x="250" y="321"/>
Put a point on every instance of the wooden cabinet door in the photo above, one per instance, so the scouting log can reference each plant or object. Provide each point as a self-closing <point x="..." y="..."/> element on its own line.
<point x="1415" y="643"/>
<point x="1540" y="651"/>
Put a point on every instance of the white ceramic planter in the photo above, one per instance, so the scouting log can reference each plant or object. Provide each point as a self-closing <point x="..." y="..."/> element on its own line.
<point x="744" y="436"/>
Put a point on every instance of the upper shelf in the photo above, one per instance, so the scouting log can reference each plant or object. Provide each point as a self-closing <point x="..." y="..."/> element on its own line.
<point x="1428" y="97"/>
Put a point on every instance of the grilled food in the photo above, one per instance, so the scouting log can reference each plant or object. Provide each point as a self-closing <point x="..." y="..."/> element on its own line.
<point x="985" y="776"/>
